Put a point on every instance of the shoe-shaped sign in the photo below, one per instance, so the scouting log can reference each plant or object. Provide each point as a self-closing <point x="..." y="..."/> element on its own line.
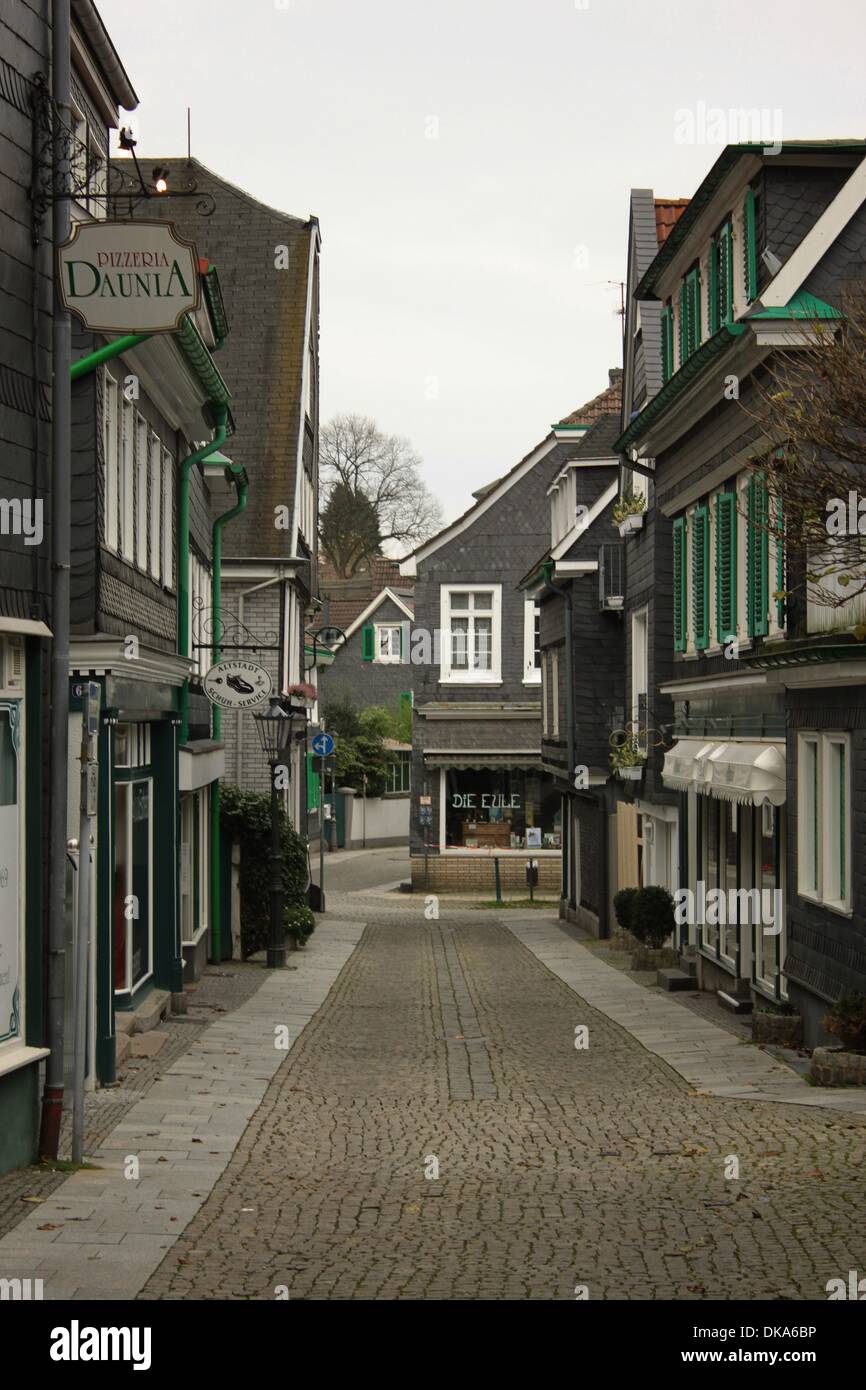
<point x="237" y="684"/>
<point x="128" y="277"/>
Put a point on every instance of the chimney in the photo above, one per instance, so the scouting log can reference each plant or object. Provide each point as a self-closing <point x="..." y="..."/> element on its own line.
<point x="614" y="375"/>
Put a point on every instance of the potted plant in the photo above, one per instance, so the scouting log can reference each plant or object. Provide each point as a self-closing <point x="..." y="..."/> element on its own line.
<point x="628" y="512"/>
<point x="846" y="1020"/>
<point x="652" y="923"/>
<point x="623" y="906"/>
<point x="299" y="923"/>
<point x="627" y="760"/>
<point x="845" y="1065"/>
<point x="302" y="694"/>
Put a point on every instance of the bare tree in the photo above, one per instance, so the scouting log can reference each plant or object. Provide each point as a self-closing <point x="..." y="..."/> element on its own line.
<point x="811" y="407"/>
<point x="384" y="469"/>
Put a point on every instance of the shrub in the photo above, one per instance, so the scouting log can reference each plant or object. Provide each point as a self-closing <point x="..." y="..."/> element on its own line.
<point x="300" y="923"/>
<point x="623" y="906"/>
<point x="847" y="1022"/>
<point x="652" y="917"/>
<point x="246" y="817"/>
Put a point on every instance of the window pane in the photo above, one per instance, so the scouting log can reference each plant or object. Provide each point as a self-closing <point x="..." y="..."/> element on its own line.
<point x="483" y="644"/>
<point x="8" y="762"/>
<point x="483" y="601"/>
<point x="121" y="883"/>
<point x="141" y="879"/>
<point x="459" y="644"/>
<point x="459" y="600"/>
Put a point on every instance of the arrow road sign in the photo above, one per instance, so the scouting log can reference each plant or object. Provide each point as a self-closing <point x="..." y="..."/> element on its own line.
<point x="323" y="745"/>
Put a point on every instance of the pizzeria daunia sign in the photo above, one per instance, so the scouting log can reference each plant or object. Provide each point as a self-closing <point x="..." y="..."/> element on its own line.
<point x="128" y="277"/>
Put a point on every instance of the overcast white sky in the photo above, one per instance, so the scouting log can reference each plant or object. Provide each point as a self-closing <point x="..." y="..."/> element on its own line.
<point x="457" y="308"/>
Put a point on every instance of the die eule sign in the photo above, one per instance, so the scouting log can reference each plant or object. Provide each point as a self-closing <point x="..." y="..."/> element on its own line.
<point x="128" y="277"/>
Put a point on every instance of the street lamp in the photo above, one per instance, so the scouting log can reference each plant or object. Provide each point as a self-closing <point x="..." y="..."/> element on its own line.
<point x="275" y="725"/>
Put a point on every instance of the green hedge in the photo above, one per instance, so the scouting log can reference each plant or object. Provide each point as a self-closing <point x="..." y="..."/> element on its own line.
<point x="246" y="818"/>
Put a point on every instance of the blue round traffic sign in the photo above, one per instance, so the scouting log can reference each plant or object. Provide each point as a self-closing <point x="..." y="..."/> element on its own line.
<point x="323" y="745"/>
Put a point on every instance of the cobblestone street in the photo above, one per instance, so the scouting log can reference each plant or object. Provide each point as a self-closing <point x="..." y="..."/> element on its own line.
<point x="447" y="1046"/>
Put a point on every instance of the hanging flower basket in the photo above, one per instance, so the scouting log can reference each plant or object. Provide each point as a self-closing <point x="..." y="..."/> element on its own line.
<point x="302" y="694"/>
<point x="633" y="522"/>
<point x="628" y="512"/>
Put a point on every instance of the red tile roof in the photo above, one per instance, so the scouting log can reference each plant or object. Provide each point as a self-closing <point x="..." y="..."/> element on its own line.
<point x="668" y="213"/>
<point x="607" y="402"/>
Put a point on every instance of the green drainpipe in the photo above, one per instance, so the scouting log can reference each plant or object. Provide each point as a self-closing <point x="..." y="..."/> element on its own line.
<point x="183" y="634"/>
<point x="242" y="485"/>
<point x="104" y="354"/>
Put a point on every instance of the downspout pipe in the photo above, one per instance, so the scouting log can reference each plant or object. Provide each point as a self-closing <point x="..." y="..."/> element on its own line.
<point x="104" y="354"/>
<point x="221" y="414"/>
<point x="564" y="593"/>
<point x="241" y="482"/>
<point x="61" y="555"/>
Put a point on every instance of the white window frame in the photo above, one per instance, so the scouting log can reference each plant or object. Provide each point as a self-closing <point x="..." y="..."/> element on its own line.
<point x="545" y="691"/>
<point x="639" y="658"/>
<point x="127" y="479"/>
<point x="111" y="457"/>
<point x="820" y="824"/>
<point x="142" y="464"/>
<point x="554" y="687"/>
<point x="155" y="472"/>
<point x="472" y="676"/>
<point x="531" y="672"/>
<point x="389" y="657"/>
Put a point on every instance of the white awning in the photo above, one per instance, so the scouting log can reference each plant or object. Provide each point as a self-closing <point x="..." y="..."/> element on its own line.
<point x="751" y="773"/>
<point x="684" y="763"/>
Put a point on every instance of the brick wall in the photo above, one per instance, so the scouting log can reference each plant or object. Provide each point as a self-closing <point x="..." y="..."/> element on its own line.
<point x="465" y="874"/>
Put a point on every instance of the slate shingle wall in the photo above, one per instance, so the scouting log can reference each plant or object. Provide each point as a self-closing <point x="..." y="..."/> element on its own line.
<point x="366" y="683"/>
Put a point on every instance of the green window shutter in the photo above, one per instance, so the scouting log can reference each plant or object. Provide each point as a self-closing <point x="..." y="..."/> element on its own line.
<point x="313" y="788"/>
<point x="750" y="249"/>
<point x="757" y="557"/>
<point x="684" y="322"/>
<point x="726" y="276"/>
<point x="715" y="248"/>
<point x="693" y="283"/>
<point x="667" y="342"/>
<point x="680" y="624"/>
<point x="780" y="562"/>
<point x="726" y="566"/>
<point x="368" y="642"/>
<point x="701" y="577"/>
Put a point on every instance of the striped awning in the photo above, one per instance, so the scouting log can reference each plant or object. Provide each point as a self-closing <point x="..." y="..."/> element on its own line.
<point x="493" y="762"/>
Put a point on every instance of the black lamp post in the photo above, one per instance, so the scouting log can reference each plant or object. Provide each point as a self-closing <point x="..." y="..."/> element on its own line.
<point x="275" y="724"/>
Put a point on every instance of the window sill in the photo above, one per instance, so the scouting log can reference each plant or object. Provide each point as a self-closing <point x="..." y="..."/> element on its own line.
<point x="840" y="909"/>
<point x="532" y="680"/>
<point x="19" y="1055"/>
<point x="471" y="680"/>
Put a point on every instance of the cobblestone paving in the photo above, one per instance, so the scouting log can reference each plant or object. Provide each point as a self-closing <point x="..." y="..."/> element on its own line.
<point x="220" y="990"/>
<point x="558" y="1167"/>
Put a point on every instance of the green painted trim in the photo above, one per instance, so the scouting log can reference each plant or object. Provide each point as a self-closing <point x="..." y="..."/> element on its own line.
<point x="701" y="577"/>
<point x="106" y="1062"/>
<point x="183" y="633"/>
<point x="704" y="194"/>
<point x="800" y="306"/>
<point x="216" y="305"/>
<point x="757" y="558"/>
<point x="805" y="654"/>
<point x="105" y="354"/>
<point x="714" y="316"/>
<point x="750" y="248"/>
<point x="726" y="566"/>
<point x="34" y="876"/>
<point x="368" y="642"/>
<point x="680" y="584"/>
<point x="194" y="349"/>
<point x="167" y="962"/>
<point x="673" y="389"/>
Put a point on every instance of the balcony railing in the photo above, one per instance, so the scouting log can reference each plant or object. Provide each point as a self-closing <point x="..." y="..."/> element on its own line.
<point x="611" y="576"/>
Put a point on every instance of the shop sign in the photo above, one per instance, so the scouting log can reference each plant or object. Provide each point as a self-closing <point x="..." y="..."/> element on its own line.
<point x="487" y="801"/>
<point x="128" y="277"/>
<point x="237" y="684"/>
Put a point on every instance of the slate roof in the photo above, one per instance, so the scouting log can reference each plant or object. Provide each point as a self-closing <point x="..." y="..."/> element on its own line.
<point x="347" y="598"/>
<point x="263" y="356"/>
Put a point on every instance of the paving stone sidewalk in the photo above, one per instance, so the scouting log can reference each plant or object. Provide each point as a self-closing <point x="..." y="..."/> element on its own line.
<point x="99" y="1234"/>
<point x="706" y="1056"/>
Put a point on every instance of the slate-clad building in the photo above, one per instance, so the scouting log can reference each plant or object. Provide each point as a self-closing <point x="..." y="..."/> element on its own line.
<point x="476" y="674"/>
<point x="769" y="735"/>
<point x="577" y="583"/>
<point x="28" y="124"/>
<point x="268" y="263"/>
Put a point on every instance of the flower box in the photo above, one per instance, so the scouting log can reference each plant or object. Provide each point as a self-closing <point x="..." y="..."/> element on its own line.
<point x="630" y="774"/>
<point x="633" y="522"/>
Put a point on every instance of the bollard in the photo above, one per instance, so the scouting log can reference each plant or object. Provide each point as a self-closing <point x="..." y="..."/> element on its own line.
<point x="496" y="876"/>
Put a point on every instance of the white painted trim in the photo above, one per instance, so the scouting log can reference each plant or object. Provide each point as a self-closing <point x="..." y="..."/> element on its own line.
<point x="27" y="626"/>
<point x="371" y="609"/>
<point x="276" y="569"/>
<point x="470" y="676"/>
<point x="20" y="1056"/>
<point x="575" y="567"/>
<point x="586" y="521"/>
<point x="197" y="770"/>
<point x="103" y="656"/>
<point x="817" y="241"/>
<point x="481" y="752"/>
<point x="305" y="360"/>
<point x="408" y="565"/>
